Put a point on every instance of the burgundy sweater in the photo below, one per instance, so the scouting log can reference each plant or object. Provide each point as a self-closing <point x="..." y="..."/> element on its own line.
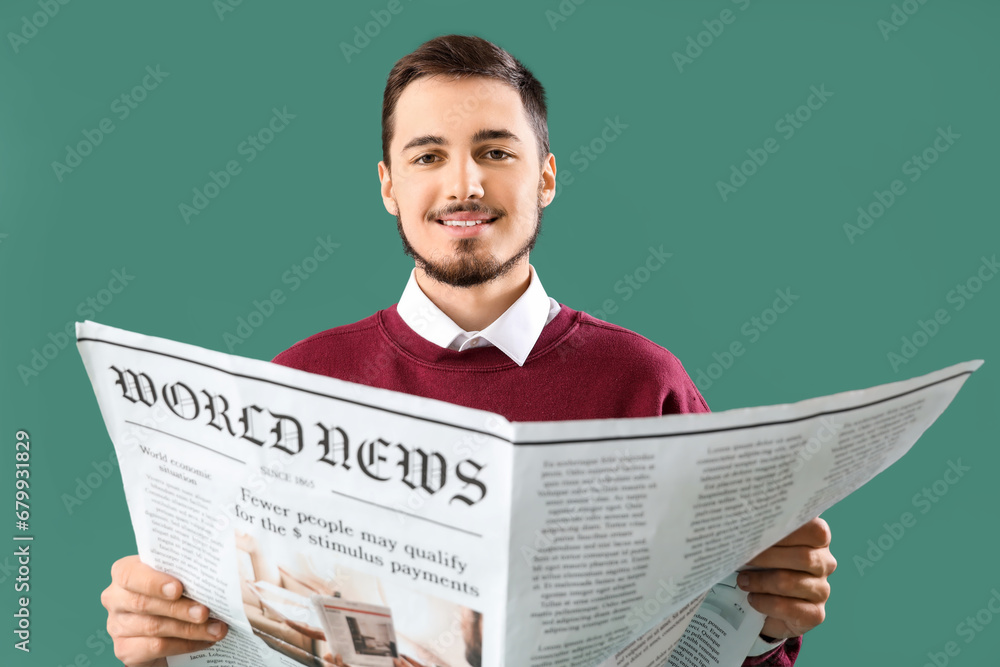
<point x="580" y="368"/>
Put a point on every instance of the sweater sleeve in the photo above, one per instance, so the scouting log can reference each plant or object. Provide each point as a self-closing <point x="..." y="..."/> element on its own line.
<point x="783" y="656"/>
<point x="682" y="394"/>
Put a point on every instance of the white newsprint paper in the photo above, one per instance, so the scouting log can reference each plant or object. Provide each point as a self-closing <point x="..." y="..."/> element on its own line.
<point x="327" y="521"/>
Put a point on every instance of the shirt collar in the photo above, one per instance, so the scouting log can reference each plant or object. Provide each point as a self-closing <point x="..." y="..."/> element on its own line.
<point x="515" y="332"/>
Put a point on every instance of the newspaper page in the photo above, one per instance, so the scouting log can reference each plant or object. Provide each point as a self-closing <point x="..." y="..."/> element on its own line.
<point x="261" y="487"/>
<point x="328" y="521"/>
<point x="723" y="629"/>
<point x="616" y="518"/>
<point x="718" y="628"/>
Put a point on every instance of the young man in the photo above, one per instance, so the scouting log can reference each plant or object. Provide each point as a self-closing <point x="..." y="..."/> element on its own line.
<point x="467" y="172"/>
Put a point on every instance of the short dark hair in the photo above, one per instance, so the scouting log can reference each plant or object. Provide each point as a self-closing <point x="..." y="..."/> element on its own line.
<point x="464" y="56"/>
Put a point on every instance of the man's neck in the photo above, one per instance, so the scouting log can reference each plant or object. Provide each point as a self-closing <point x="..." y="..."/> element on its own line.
<point x="475" y="308"/>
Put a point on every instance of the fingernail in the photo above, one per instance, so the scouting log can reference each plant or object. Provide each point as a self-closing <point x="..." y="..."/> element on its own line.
<point x="198" y="611"/>
<point x="215" y="629"/>
<point x="171" y="589"/>
<point x="743" y="580"/>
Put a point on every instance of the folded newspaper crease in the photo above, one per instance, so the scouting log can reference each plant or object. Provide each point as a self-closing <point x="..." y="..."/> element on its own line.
<point x="324" y="518"/>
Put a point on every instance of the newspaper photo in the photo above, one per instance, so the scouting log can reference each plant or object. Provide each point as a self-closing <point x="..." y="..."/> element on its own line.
<point x="361" y="633"/>
<point x="327" y="521"/>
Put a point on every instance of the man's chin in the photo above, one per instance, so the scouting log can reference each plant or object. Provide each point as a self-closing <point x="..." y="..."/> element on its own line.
<point x="458" y="277"/>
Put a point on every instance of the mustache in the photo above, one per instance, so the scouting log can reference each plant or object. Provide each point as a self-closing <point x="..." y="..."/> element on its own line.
<point x="468" y="208"/>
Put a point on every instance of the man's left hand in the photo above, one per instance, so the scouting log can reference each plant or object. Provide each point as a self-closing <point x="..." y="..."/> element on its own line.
<point x="793" y="590"/>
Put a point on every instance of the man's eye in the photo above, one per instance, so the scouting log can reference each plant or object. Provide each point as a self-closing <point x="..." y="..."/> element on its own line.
<point x="420" y="160"/>
<point x="501" y="152"/>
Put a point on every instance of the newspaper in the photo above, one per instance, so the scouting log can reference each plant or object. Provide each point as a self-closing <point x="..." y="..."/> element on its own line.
<point x="326" y="521"/>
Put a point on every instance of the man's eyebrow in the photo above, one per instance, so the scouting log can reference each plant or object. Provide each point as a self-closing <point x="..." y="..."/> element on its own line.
<point x="478" y="138"/>
<point x="492" y="135"/>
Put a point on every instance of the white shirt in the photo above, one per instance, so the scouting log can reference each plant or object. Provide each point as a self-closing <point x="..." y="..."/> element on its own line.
<point x="514" y="333"/>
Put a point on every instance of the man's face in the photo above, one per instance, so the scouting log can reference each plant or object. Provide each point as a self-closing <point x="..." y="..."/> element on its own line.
<point x="465" y="149"/>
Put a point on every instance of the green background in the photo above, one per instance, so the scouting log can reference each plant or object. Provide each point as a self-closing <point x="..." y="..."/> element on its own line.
<point x="656" y="184"/>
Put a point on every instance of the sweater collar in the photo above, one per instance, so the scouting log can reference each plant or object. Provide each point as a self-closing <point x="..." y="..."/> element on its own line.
<point x="514" y="333"/>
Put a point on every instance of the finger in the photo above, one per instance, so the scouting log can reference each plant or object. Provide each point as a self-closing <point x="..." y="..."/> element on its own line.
<point x="786" y="583"/>
<point x="144" y="625"/>
<point x="816" y="533"/>
<point x="142" y="650"/>
<point x="818" y="562"/>
<point x="120" y="600"/>
<point x="133" y="575"/>
<point x="800" y="616"/>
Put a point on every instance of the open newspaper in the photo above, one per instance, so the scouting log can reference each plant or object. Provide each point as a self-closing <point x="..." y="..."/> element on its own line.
<point x="329" y="521"/>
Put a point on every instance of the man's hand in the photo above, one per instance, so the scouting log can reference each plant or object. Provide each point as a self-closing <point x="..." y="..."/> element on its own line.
<point x="148" y="619"/>
<point x="793" y="590"/>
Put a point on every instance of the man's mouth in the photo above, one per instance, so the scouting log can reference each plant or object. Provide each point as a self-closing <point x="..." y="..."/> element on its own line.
<point x="450" y="222"/>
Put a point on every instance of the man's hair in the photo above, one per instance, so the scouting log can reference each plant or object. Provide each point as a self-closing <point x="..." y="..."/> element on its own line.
<point x="462" y="56"/>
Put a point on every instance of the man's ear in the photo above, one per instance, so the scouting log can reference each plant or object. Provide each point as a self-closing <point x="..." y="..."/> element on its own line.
<point x="548" y="180"/>
<point x="385" y="181"/>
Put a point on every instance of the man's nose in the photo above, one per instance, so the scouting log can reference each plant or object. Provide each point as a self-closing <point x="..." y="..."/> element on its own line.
<point x="465" y="179"/>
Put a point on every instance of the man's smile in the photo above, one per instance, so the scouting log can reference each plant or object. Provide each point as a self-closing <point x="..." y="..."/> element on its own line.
<point x="465" y="219"/>
<point x="464" y="225"/>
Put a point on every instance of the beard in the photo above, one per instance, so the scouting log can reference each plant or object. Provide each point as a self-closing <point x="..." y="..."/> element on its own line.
<point x="468" y="267"/>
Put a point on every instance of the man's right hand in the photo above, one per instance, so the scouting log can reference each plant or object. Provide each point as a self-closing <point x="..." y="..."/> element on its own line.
<point x="149" y="619"/>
